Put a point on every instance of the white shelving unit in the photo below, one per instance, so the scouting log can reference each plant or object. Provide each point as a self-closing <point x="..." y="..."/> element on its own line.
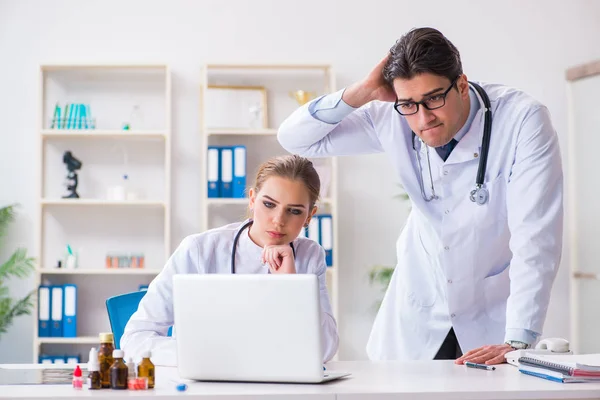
<point x="261" y="143"/>
<point x="93" y="225"/>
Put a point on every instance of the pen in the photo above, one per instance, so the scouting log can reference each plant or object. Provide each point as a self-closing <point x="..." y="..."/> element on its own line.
<point x="479" y="366"/>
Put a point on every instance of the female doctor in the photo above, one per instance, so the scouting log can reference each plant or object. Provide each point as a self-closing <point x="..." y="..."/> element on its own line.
<point x="282" y="202"/>
<point x="481" y="164"/>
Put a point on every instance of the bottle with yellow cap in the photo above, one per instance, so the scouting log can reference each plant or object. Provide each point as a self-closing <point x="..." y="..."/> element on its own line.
<point x="105" y="357"/>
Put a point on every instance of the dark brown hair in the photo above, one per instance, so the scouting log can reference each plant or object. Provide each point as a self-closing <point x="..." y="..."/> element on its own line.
<point x="422" y="50"/>
<point x="292" y="167"/>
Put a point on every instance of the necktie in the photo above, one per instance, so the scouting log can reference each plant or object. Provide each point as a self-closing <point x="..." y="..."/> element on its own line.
<point x="445" y="150"/>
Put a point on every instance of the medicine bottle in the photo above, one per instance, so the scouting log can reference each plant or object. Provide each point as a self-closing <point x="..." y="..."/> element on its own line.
<point x="146" y="369"/>
<point x="105" y="357"/>
<point x="118" y="371"/>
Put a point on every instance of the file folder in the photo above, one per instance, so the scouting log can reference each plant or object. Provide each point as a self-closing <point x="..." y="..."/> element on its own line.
<point x="327" y="238"/>
<point x="70" y="311"/>
<point x="226" y="172"/>
<point x="239" y="171"/>
<point x="213" y="169"/>
<point x="57" y="310"/>
<point x="44" y="304"/>
<point x="58" y="359"/>
<point x="314" y="230"/>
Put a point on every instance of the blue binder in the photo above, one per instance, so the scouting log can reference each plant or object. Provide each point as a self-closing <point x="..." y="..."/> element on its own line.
<point x="239" y="171"/>
<point x="56" y="294"/>
<point x="44" y="307"/>
<point x="45" y="359"/>
<point x="326" y="225"/>
<point x="313" y="231"/>
<point x="226" y="172"/>
<point x="213" y="171"/>
<point x="73" y="359"/>
<point x="58" y="360"/>
<point x="70" y="310"/>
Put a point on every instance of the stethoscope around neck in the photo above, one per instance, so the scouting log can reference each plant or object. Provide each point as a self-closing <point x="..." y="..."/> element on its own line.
<point x="237" y="238"/>
<point x="479" y="194"/>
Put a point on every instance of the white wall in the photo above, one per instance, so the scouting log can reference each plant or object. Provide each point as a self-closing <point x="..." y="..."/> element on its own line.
<point x="525" y="44"/>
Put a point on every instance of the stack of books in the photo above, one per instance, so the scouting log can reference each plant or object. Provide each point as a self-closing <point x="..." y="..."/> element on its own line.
<point x="562" y="368"/>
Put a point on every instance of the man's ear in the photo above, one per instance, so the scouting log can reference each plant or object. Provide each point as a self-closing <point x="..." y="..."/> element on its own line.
<point x="463" y="86"/>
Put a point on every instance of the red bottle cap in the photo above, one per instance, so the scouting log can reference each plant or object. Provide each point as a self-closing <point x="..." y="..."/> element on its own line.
<point x="77" y="373"/>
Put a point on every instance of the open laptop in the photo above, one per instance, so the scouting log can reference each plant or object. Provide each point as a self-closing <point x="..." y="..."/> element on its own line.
<point x="251" y="328"/>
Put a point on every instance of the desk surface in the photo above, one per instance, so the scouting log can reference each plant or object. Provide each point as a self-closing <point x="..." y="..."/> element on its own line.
<point x="424" y="380"/>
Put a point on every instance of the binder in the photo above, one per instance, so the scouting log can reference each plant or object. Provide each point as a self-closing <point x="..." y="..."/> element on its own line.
<point x="44" y="359"/>
<point x="58" y="359"/>
<point x="239" y="171"/>
<point x="226" y="172"/>
<point x="314" y="230"/>
<point x="57" y="310"/>
<point x="213" y="170"/>
<point x="327" y="238"/>
<point x="72" y="359"/>
<point x="70" y="310"/>
<point x="44" y="306"/>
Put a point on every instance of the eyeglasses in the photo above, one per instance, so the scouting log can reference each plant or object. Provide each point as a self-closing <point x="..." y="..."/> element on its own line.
<point x="431" y="103"/>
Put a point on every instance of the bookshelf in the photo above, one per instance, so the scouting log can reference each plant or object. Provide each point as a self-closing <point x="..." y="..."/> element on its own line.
<point x="128" y="132"/>
<point x="277" y="81"/>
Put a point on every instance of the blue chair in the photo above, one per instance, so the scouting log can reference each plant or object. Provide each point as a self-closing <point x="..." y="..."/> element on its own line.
<point x="120" y="308"/>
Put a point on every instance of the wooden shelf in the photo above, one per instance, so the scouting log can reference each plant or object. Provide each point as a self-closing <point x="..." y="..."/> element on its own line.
<point x="99" y="271"/>
<point x="69" y="340"/>
<point x="100" y="202"/>
<point x="101" y="133"/>
<point x="242" y="132"/>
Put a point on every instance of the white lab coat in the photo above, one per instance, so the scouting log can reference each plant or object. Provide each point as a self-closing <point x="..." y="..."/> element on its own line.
<point x="457" y="261"/>
<point x="210" y="253"/>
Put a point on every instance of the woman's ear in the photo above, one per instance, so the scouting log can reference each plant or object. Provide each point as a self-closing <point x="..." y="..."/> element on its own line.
<point x="310" y="215"/>
<point x="251" y="199"/>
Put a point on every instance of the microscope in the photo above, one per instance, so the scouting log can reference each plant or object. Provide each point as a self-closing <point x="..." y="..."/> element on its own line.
<point x="73" y="164"/>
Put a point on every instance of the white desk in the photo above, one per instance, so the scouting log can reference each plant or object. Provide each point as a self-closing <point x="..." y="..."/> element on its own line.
<point x="428" y="380"/>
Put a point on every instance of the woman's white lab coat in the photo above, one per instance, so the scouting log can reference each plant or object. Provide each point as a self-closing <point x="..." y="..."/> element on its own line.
<point x="485" y="270"/>
<point x="210" y="253"/>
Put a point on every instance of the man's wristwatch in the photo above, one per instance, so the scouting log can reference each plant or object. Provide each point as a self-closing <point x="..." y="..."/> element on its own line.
<point x="515" y="344"/>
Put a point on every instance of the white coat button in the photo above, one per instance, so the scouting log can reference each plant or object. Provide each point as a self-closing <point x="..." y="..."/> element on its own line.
<point x="446" y="248"/>
<point x="447" y="212"/>
<point x="475" y="155"/>
<point x="445" y="172"/>
<point x="453" y="315"/>
<point x="449" y="280"/>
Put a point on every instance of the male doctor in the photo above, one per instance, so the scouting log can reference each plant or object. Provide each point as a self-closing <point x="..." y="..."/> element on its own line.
<point x="475" y="267"/>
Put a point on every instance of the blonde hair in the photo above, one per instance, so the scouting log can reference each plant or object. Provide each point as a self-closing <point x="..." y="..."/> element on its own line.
<point x="292" y="167"/>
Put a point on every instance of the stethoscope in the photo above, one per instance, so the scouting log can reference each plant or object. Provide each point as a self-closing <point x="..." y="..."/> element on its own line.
<point x="479" y="194"/>
<point x="237" y="238"/>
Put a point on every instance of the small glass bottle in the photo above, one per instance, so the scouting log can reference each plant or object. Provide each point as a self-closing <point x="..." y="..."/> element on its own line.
<point x="118" y="371"/>
<point x="105" y="357"/>
<point x="77" y="378"/>
<point x="94" y="378"/>
<point x="146" y="369"/>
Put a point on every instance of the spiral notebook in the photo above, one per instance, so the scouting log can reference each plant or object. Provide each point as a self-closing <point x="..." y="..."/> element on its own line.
<point x="580" y="364"/>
